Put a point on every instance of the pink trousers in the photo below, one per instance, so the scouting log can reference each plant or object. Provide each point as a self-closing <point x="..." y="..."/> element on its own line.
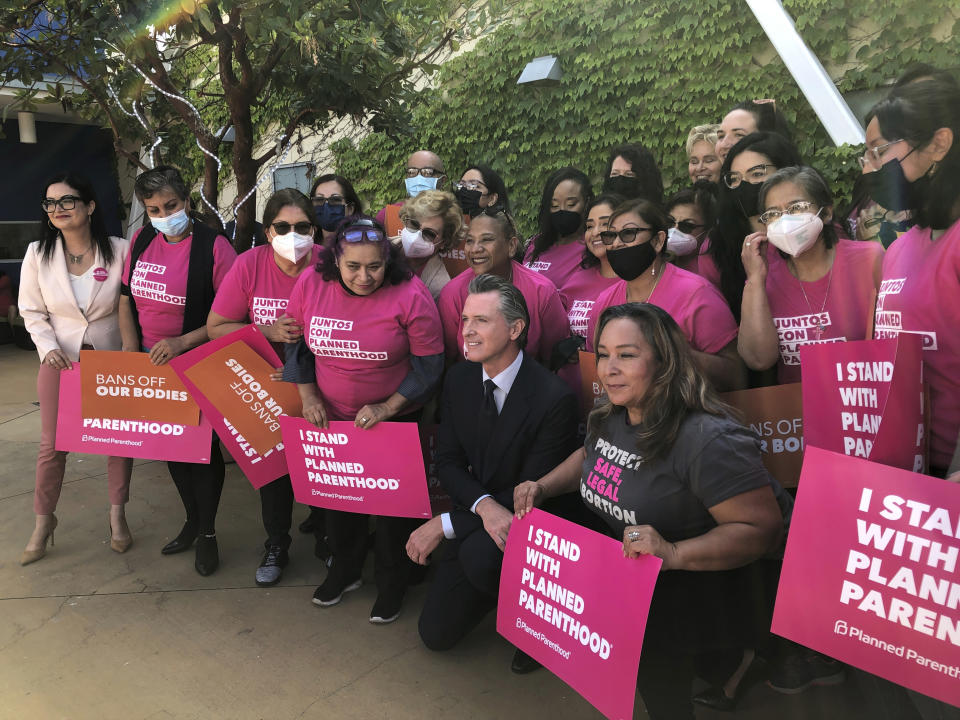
<point x="51" y="462"/>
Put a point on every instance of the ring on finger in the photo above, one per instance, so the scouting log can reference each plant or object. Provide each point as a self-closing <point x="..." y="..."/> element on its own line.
<point x="634" y="535"/>
<point x="747" y="243"/>
<point x="364" y="420"/>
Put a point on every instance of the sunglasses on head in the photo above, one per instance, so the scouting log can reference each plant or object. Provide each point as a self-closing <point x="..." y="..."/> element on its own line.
<point x="301" y="228"/>
<point x="363" y="231"/>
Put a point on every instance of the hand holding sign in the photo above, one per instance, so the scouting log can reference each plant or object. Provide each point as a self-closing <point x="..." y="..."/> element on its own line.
<point x="526" y="496"/>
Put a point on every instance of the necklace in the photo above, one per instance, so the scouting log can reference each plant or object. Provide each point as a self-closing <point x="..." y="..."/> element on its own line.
<point x="818" y="333"/>
<point x="75" y="259"/>
<point x="655" y="283"/>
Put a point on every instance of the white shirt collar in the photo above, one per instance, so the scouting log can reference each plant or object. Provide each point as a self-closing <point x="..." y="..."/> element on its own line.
<point x="504" y="379"/>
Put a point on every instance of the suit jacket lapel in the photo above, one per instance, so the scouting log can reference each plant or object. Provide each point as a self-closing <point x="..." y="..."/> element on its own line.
<point x="98" y="261"/>
<point x="514" y="412"/>
<point x="58" y="266"/>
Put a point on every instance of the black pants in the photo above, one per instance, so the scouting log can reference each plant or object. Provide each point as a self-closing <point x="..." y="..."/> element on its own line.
<point x="664" y="680"/>
<point x="347" y="537"/>
<point x="463" y="591"/>
<point x="276" y="509"/>
<point x="200" y="486"/>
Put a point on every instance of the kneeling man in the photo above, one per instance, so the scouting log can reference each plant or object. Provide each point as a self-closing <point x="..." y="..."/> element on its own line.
<point x="504" y="419"/>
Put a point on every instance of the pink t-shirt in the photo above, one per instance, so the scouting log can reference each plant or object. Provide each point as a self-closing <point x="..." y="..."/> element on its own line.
<point x="363" y="344"/>
<point x="841" y="302"/>
<point x="255" y="289"/>
<point x="582" y="290"/>
<point x="691" y="262"/>
<point x="696" y="305"/>
<point x="558" y="263"/>
<point x="160" y="283"/>
<point x="548" y="319"/>
<point x="920" y="294"/>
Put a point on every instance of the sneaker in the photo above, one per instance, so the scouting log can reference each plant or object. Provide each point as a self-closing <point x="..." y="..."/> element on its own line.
<point x="386" y="609"/>
<point x="332" y="590"/>
<point x="800" y="671"/>
<point x="275" y="559"/>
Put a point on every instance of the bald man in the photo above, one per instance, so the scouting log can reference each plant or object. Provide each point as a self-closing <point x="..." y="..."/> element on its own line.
<point x="424" y="172"/>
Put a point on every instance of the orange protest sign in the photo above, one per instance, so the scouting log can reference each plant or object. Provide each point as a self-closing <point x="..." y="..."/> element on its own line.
<point x="126" y="385"/>
<point x="776" y="415"/>
<point x="236" y="381"/>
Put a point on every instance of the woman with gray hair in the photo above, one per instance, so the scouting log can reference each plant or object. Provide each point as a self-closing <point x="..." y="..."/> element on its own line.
<point x="818" y="288"/>
<point x="432" y="222"/>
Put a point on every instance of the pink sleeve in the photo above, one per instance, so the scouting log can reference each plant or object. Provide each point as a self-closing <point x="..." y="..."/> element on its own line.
<point x="424" y="331"/>
<point x="707" y="269"/>
<point x="294" y="309"/>
<point x="233" y="295"/>
<point x="223" y="258"/>
<point x="382" y="216"/>
<point x="449" y="318"/>
<point x="555" y="323"/>
<point x="592" y="318"/>
<point x="709" y="324"/>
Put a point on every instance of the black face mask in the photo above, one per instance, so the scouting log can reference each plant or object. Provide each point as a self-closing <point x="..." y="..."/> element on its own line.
<point x="565" y="222"/>
<point x="891" y="190"/>
<point x="469" y="201"/>
<point x="628" y="187"/>
<point x="632" y="261"/>
<point x="748" y="196"/>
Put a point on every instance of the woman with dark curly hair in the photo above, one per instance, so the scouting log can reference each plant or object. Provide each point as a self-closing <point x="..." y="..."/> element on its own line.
<point x="371" y="350"/>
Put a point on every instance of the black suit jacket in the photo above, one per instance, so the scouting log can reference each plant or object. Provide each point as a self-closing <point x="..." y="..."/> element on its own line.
<point x="535" y="432"/>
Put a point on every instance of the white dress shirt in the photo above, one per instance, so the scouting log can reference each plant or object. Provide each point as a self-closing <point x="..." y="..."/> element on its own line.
<point x="503" y="381"/>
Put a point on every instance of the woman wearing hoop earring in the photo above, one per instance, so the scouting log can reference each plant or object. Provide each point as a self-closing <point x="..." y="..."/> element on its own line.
<point x="69" y="292"/>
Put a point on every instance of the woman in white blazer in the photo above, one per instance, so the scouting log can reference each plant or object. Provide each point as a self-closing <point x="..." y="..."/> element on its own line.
<point x="69" y="295"/>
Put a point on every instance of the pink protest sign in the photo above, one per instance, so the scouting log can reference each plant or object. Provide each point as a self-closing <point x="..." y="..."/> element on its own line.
<point x="243" y="371"/>
<point x="865" y="399"/>
<point x="572" y="601"/>
<point x="377" y="471"/>
<point x="123" y="437"/>
<point x="870" y="572"/>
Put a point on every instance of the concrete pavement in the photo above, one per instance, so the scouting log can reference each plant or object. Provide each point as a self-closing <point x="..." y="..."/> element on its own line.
<point x="88" y="633"/>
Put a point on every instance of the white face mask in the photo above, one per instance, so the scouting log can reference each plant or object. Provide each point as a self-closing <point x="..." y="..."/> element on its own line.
<point x="679" y="243"/>
<point x="414" y="246"/>
<point x="172" y="225"/>
<point x="795" y="234"/>
<point x="292" y="246"/>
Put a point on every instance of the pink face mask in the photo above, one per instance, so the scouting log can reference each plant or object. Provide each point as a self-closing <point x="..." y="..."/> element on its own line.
<point x="795" y="234"/>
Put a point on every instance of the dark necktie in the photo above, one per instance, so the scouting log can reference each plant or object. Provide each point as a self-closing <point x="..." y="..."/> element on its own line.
<point x="488" y="414"/>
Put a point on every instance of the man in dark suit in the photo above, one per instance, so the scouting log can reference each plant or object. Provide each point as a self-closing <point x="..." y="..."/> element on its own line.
<point x="504" y="419"/>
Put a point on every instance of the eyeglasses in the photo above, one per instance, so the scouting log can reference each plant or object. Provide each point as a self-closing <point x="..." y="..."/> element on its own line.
<point x="756" y="174"/>
<point x="301" y="228"/>
<point x="627" y="235"/>
<point x="362" y="231"/>
<point x="333" y="200"/>
<point x="873" y="157"/>
<point x="427" y="172"/>
<point x="67" y="202"/>
<point x="686" y="226"/>
<point x="429" y="234"/>
<point x="801" y="206"/>
<point x="470" y="185"/>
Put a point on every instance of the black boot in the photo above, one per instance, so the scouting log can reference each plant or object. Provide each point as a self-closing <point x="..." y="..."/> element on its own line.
<point x="208" y="556"/>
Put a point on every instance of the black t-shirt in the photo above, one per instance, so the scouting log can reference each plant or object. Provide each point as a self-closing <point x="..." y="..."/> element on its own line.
<point x="712" y="460"/>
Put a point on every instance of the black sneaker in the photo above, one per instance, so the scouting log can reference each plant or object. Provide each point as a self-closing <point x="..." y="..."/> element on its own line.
<point x="332" y="590"/>
<point x="800" y="671"/>
<point x="275" y="559"/>
<point x="386" y="609"/>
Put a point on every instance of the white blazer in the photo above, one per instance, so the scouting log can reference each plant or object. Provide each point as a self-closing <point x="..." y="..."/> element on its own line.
<point x="49" y="308"/>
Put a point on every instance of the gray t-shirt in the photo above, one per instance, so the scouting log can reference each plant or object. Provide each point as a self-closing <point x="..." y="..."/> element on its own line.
<point x="712" y="460"/>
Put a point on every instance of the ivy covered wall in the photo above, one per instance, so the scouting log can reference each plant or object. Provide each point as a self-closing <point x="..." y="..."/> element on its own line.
<point x="647" y="71"/>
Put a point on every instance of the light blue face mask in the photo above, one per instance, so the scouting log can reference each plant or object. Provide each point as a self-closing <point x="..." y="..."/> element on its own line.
<point x="172" y="225"/>
<point x="418" y="184"/>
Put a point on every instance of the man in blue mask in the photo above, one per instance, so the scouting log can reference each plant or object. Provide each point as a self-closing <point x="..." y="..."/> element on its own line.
<point x="424" y="171"/>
